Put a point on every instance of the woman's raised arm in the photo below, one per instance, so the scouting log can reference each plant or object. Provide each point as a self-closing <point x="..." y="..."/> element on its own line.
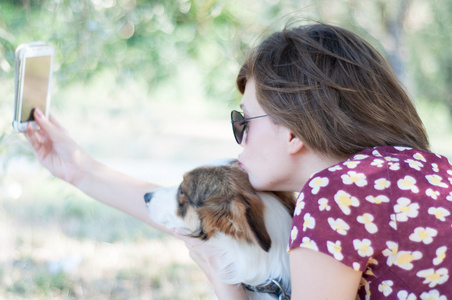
<point x="64" y="158"/>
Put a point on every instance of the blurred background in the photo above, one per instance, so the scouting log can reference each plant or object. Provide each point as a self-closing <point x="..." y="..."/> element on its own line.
<point x="147" y="87"/>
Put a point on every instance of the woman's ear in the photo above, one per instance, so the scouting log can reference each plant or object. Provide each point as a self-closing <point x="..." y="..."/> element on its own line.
<point x="295" y="143"/>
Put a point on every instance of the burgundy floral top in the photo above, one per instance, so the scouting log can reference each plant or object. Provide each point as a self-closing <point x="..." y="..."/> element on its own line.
<point x="386" y="212"/>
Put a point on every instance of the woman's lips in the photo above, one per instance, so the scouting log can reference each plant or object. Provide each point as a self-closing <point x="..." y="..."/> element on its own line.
<point x="240" y="164"/>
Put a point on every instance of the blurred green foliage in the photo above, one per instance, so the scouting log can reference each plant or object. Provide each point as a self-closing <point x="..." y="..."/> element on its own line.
<point x="149" y="39"/>
<point x="155" y="40"/>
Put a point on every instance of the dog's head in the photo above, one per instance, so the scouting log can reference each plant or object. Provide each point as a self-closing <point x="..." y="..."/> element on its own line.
<point x="219" y="205"/>
<point x="216" y="199"/>
<point x="221" y="199"/>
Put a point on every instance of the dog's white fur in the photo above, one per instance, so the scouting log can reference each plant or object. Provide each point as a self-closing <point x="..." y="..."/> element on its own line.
<point x="239" y="261"/>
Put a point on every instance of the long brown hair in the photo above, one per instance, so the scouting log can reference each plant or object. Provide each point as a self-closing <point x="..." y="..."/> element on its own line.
<point x="333" y="90"/>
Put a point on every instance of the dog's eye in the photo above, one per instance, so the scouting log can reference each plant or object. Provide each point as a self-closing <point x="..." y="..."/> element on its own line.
<point x="181" y="192"/>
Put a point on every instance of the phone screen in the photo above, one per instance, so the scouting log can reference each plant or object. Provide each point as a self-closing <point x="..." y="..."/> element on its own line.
<point x="35" y="86"/>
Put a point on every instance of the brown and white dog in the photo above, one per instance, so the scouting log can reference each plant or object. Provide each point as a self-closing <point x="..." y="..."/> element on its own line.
<point x="250" y="229"/>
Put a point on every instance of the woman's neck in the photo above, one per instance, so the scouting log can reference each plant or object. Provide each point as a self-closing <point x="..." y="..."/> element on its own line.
<point x="311" y="162"/>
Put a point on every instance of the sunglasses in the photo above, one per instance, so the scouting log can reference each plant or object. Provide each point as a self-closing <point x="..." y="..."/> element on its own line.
<point x="239" y="124"/>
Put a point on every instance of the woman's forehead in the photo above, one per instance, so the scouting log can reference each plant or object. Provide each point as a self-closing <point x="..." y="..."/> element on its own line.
<point x="249" y="102"/>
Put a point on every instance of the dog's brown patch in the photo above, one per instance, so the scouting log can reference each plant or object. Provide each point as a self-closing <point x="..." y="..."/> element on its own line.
<point x="225" y="202"/>
<point x="191" y="219"/>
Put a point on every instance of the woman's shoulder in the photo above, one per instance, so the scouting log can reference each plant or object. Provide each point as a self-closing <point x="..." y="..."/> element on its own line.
<point x="380" y="169"/>
<point x="376" y="159"/>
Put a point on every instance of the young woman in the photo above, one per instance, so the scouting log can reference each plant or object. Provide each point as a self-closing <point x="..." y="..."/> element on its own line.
<point x="325" y="116"/>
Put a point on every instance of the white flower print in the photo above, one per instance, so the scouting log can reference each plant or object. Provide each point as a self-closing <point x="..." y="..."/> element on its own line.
<point x="377" y="162"/>
<point x="376" y="153"/>
<point x="369" y="272"/>
<point x="419" y="156"/>
<point x="434" y="278"/>
<point x="432" y="295"/>
<point x="377" y="200"/>
<point x="339" y="225"/>
<point x="393" y="222"/>
<point x="400" y="148"/>
<point x="391" y="252"/>
<point x="308" y="243"/>
<point x="294" y="233"/>
<point x="351" y="164"/>
<point x="414" y="164"/>
<point x="432" y="193"/>
<point x="408" y="183"/>
<point x="363" y="247"/>
<point x="381" y="184"/>
<point x="356" y="266"/>
<point x="390" y="158"/>
<point x="436" y="180"/>
<point x="403" y="295"/>
<point x="300" y="204"/>
<point x="424" y="235"/>
<point x="372" y="261"/>
<point x="323" y="204"/>
<point x="345" y="200"/>
<point x="404" y="209"/>
<point x="360" y="156"/>
<point x="439" y="212"/>
<point x="449" y="197"/>
<point x="335" y="168"/>
<point x="440" y="255"/>
<point x="367" y="220"/>
<point x="435" y="168"/>
<point x="366" y="285"/>
<point x="394" y="166"/>
<point x="309" y="222"/>
<point x="354" y="178"/>
<point x="386" y="287"/>
<point x="404" y="259"/>
<point x="317" y="183"/>
<point x="335" y="249"/>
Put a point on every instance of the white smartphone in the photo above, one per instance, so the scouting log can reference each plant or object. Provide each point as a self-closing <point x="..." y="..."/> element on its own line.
<point x="33" y="76"/>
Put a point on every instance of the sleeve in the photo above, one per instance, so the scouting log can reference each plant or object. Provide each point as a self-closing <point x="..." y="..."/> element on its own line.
<point x="345" y="212"/>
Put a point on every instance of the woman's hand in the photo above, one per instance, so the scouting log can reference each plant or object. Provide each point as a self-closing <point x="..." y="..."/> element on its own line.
<point x="204" y="255"/>
<point x="55" y="149"/>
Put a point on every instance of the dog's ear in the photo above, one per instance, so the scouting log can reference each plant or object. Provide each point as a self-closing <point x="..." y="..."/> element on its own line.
<point x="256" y="221"/>
<point x="241" y="216"/>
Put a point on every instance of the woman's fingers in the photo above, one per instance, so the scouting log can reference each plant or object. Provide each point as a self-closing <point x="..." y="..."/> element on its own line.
<point x="33" y="137"/>
<point x="184" y="235"/>
<point x="181" y="233"/>
<point x="48" y="127"/>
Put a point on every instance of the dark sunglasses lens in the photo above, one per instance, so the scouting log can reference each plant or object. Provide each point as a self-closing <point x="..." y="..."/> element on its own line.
<point x="236" y="116"/>
<point x="238" y="128"/>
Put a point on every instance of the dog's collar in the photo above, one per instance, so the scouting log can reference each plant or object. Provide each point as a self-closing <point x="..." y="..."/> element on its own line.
<point x="271" y="286"/>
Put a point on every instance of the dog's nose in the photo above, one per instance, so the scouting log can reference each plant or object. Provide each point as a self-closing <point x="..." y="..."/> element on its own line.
<point x="148" y="197"/>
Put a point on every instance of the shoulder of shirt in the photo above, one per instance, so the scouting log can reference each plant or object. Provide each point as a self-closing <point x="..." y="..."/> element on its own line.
<point x="383" y="154"/>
